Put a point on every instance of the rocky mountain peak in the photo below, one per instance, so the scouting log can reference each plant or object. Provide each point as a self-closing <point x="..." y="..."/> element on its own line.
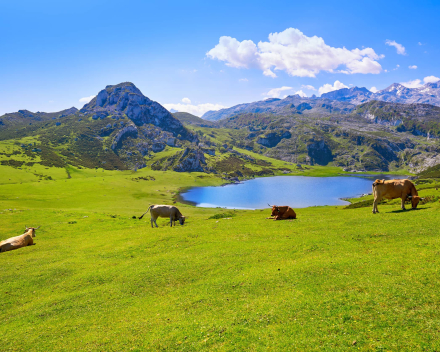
<point x="126" y="99"/>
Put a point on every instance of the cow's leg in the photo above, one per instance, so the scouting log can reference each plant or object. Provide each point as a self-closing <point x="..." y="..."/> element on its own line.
<point x="171" y="221"/>
<point x="403" y="202"/>
<point x="375" y="206"/>
<point x="153" y="220"/>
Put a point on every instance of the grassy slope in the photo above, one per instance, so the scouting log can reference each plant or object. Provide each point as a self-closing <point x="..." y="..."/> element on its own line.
<point x="99" y="280"/>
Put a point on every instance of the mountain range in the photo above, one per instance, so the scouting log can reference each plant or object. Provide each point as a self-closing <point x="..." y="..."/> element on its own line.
<point x="123" y="129"/>
<point x="328" y="102"/>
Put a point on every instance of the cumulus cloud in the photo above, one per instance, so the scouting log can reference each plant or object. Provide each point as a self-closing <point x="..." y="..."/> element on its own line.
<point x="330" y="88"/>
<point x="197" y="110"/>
<point x="243" y="80"/>
<point x="374" y="89"/>
<point x="301" y="94"/>
<point x="399" y="47"/>
<point x="294" y="52"/>
<point x="276" y="92"/>
<point x="308" y="86"/>
<point x="86" y="100"/>
<point x="431" y="79"/>
<point x="186" y="101"/>
<point x="418" y="83"/>
<point x="412" y="67"/>
<point x="412" y="84"/>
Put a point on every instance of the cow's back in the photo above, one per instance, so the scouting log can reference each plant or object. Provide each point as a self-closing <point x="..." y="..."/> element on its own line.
<point x="165" y="210"/>
<point x="16" y="242"/>
<point x="290" y="214"/>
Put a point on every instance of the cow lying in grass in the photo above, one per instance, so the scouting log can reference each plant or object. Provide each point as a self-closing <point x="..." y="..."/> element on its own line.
<point x="164" y="211"/>
<point x="392" y="189"/>
<point x="19" y="241"/>
<point x="282" y="212"/>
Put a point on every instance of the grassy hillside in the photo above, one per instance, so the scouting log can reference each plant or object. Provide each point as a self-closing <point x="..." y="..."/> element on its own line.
<point x="97" y="279"/>
<point x="190" y="119"/>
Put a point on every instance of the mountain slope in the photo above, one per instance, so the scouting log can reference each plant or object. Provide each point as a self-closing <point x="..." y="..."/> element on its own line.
<point x="189" y="119"/>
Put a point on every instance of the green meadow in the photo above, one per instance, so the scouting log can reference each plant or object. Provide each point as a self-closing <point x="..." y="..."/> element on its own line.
<point x="99" y="280"/>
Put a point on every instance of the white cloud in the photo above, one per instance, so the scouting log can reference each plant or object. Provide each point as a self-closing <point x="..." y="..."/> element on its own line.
<point x="86" y="100"/>
<point x="399" y="47"/>
<point x="431" y="79"/>
<point x="330" y="88"/>
<point x="412" y="67"/>
<point x="186" y="101"/>
<point x="374" y="89"/>
<point x="197" y="110"/>
<point x="418" y="83"/>
<point x="412" y="84"/>
<point x="308" y="86"/>
<point x="420" y="43"/>
<point x="243" y="80"/>
<point x="301" y="94"/>
<point x="276" y="92"/>
<point x="295" y="53"/>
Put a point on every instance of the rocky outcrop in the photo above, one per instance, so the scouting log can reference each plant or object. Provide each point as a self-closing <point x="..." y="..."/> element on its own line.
<point x="158" y="147"/>
<point x="273" y="138"/>
<point x="128" y="131"/>
<point x="319" y="152"/>
<point x="191" y="160"/>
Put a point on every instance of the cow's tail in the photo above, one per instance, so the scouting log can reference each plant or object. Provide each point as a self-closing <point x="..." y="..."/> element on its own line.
<point x="140" y="217"/>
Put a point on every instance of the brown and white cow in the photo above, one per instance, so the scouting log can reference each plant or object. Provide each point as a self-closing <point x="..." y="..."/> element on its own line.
<point x="392" y="189"/>
<point x="19" y="241"/>
<point x="282" y="212"/>
<point x="164" y="211"/>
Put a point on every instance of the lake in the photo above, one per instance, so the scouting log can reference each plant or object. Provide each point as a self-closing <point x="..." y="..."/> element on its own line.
<point x="295" y="191"/>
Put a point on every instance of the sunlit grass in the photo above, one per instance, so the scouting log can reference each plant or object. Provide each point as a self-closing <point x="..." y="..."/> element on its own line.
<point x="97" y="279"/>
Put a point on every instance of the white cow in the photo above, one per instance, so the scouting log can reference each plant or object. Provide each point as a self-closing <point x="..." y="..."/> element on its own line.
<point x="164" y="211"/>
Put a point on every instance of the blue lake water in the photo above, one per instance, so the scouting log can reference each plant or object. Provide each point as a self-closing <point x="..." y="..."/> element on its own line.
<point x="295" y="191"/>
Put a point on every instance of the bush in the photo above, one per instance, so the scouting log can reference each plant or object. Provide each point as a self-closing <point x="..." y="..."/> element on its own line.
<point x="223" y="215"/>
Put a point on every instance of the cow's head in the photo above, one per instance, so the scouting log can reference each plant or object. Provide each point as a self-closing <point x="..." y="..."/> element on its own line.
<point x="275" y="210"/>
<point x="182" y="220"/>
<point x="414" y="201"/>
<point x="378" y="182"/>
<point x="32" y="230"/>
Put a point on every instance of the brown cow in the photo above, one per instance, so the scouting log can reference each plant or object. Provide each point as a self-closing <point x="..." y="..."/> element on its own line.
<point x="282" y="212"/>
<point x="19" y="241"/>
<point x="403" y="189"/>
<point x="164" y="211"/>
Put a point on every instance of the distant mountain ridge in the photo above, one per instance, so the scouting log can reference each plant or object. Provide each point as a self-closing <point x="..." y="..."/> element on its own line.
<point x="395" y="93"/>
<point x="293" y="104"/>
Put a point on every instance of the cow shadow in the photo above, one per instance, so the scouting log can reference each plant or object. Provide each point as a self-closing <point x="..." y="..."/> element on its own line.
<point x="405" y="211"/>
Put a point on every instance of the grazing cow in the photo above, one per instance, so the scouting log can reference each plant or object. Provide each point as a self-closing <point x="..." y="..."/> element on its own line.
<point x="164" y="211"/>
<point x="19" y="241"/>
<point x="403" y="189"/>
<point x="282" y="212"/>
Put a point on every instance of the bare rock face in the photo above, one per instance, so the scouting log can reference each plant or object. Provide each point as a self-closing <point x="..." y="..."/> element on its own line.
<point x="272" y="139"/>
<point x="191" y="160"/>
<point x="319" y="152"/>
<point x="126" y="98"/>
<point x="127" y="131"/>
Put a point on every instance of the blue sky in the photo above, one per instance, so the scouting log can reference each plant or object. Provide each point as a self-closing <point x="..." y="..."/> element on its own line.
<point x="54" y="53"/>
